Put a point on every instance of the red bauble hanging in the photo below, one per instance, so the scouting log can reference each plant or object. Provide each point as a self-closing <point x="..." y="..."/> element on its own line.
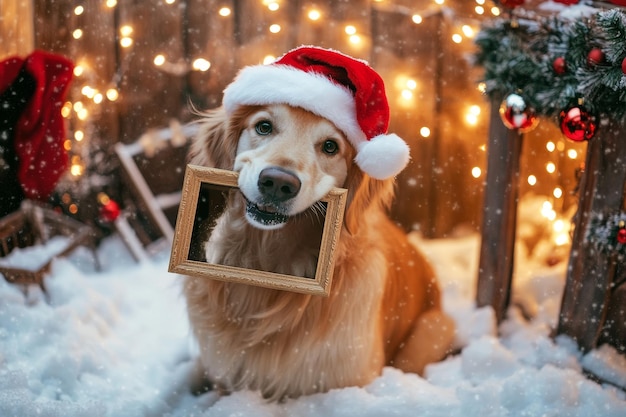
<point x="624" y="66"/>
<point x="517" y="114"/>
<point x="595" y="57"/>
<point x="559" y="66"/>
<point x="511" y="3"/>
<point x="621" y="236"/>
<point x="577" y="124"/>
<point x="109" y="211"/>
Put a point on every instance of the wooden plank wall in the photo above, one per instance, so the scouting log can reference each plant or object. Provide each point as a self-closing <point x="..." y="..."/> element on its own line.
<point x="435" y="194"/>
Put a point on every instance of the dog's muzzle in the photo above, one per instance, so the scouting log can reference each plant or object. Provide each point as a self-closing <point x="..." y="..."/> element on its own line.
<point x="276" y="186"/>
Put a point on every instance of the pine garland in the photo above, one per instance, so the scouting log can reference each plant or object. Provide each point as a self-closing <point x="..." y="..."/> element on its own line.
<point x="602" y="234"/>
<point x="518" y="56"/>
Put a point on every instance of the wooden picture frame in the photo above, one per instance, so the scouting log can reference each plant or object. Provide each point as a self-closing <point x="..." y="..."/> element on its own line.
<point x="198" y="178"/>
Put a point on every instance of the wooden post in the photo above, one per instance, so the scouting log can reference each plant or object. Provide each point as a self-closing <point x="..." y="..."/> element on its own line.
<point x="499" y="215"/>
<point x="590" y="273"/>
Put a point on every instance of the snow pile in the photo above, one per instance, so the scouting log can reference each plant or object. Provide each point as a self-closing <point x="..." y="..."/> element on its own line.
<point x="116" y="343"/>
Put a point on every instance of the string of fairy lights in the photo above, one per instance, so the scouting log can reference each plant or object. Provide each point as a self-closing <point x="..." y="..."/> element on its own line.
<point x="94" y="91"/>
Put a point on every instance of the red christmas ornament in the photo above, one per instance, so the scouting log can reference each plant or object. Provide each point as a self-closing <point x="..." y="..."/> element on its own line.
<point x="516" y="114"/>
<point x="511" y="3"/>
<point x="624" y="66"/>
<point x="567" y="1"/>
<point x="559" y="65"/>
<point x="621" y="235"/>
<point x="109" y="211"/>
<point x="595" y="57"/>
<point x="577" y="124"/>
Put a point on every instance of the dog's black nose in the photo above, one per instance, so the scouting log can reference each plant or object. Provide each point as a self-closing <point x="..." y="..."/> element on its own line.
<point x="278" y="184"/>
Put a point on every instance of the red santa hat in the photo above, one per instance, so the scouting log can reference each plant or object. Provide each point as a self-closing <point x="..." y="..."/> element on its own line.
<point x="40" y="130"/>
<point x="344" y="90"/>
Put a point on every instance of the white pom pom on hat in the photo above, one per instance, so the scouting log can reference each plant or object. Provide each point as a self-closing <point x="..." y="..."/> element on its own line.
<point x="342" y="89"/>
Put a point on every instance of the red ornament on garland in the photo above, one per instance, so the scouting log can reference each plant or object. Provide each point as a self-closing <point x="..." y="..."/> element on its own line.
<point x="511" y="3"/>
<point x="595" y="57"/>
<point x="621" y="233"/>
<point x="109" y="210"/>
<point x="577" y="124"/>
<point x="516" y="114"/>
<point x="559" y="65"/>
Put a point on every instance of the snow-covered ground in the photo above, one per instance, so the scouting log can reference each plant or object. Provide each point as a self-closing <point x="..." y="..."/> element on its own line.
<point x="117" y="343"/>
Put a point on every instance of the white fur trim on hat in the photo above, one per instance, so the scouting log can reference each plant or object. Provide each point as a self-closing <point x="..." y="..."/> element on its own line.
<point x="383" y="156"/>
<point x="271" y="84"/>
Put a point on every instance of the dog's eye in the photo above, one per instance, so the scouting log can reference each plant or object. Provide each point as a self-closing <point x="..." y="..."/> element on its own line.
<point x="263" y="128"/>
<point x="330" y="147"/>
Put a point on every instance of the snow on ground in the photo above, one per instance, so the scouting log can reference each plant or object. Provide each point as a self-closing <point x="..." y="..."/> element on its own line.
<point x="116" y="343"/>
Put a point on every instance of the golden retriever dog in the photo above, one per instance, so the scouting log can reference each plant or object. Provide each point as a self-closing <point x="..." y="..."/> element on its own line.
<point x="384" y="305"/>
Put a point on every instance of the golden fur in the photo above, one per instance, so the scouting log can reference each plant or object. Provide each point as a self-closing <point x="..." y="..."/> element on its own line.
<point x="384" y="305"/>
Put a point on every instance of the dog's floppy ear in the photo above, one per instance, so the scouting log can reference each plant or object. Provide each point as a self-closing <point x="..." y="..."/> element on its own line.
<point x="213" y="145"/>
<point x="365" y="193"/>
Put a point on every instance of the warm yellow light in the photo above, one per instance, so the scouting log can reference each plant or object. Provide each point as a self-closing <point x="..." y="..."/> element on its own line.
<point x="112" y="94"/>
<point x="495" y="11"/>
<point x="67" y="145"/>
<point x="425" y="132"/>
<point x="550" y="146"/>
<point x="476" y="172"/>
<point x="73" y="208"/>
<point x="482" y="87"/>
<point x="126" y="30"/>
<point x="201" y="64"/>
<point x="273" y="6"/>
<point x="159" y="60"/>
<point x="417" y="19"/>
<point x="480" y="2"/>
<point x="78" y="10"/>
<point x="78" y="70"/>
<point x="483" y="147"/>
<point x="314" y="14"/>
<point x="474" y="109"/>
<point x="275" y="28"/>
<point x="97" y="98"/>
<point x="66" y="110"/>
<point x="440" y="2"/>
<point x="406" y="94"/>
<point x="76" y="170"/>
<point x="170" y="1"/>
<point x="82" y="114"/>
<point x="79" y="135"/>
<point x="560" y="146"/>
<point x="355" y="39"/>
<point x="561" y="239"/>
<point x="547" y="211"/>
<point x="268" y="59"/>
<point x="78" y="106"/>
<point x="111" y="3"/>
<point x="224" y="11"/>
<point x="411" y="84"/>
<point x="471" y="119"/>
<point x="532" y="180"/>
<point x="350" y="30"/>
<point x="572" y="154"/>
<point x="558" y="225"/>
<point x="468" y="31"/>
<point x="88" y="91"/>
<point x="77" y="34"/>
<point x="456" y="38"/>
<point x="550" y="167"/>
<point x="557" y="193"/>
<point x="126" y="42"/>
<point x="479" y="10"/>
